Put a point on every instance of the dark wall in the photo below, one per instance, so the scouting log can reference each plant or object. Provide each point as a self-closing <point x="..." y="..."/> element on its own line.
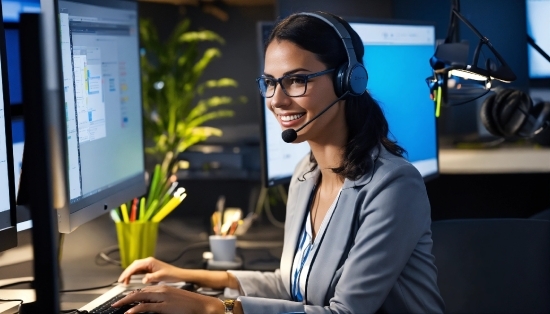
<point x="502" y="21"/>
<point x="345" y="8"/>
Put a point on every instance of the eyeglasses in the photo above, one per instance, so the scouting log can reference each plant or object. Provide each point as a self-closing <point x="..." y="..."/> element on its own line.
<point x="293" y="85"/>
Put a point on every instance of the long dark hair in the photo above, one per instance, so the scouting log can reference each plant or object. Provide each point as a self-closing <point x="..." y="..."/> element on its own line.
<point x="367" y="125"/>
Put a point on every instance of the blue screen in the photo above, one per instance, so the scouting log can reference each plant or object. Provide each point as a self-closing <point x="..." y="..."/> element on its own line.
<point x="12" y="8"/>
<point x="14" y="65"/>
<point x="397" y="60"/>
<point x="399" y="86"/>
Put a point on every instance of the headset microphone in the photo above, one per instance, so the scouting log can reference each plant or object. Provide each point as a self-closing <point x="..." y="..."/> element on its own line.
<point x="290" y="135"/>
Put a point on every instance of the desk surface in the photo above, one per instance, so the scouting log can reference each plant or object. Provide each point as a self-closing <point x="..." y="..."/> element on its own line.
<point x="496" y="160"/>
<point x="81" y="267"/>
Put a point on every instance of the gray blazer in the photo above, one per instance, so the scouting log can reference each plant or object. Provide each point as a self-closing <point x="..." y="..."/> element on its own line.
<point x="375" y="255"/>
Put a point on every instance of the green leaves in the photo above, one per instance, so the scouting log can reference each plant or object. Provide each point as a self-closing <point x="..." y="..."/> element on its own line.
<point x="175" y="111"/>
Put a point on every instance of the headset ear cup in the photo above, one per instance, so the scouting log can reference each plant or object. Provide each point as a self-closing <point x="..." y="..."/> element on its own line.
<point x="486" y="116"/>
<point x="507" y="113"/>
<point x="340" y="80"/>
<point x="357" y="79"/>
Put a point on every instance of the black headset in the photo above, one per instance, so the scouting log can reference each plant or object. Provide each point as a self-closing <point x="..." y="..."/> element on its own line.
<point x="510" y="112"/>
<point x="350" y="77"/>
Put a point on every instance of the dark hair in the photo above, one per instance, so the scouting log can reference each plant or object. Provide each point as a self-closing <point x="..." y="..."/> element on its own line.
<point x="367" y="125"/>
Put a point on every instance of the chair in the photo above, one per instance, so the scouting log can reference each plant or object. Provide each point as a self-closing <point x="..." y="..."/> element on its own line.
<point x="493" y="265"/>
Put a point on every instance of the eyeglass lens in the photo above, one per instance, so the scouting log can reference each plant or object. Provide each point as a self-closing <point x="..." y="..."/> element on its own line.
<point x="292" y="85"/>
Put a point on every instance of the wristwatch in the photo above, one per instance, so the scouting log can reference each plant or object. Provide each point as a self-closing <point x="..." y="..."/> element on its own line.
<point x="228" y="304"/>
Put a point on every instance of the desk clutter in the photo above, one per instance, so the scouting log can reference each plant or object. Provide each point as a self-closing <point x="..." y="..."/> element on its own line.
<point x="137" y="221"/>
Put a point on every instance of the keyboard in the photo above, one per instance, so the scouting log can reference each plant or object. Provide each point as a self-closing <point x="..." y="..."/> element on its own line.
<point x="106" y="307"/>
<point x="102" y="304"/>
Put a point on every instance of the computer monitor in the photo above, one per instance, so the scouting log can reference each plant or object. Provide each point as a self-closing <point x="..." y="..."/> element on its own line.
<point x="8" y="234"/>
<point x="99" y="45"/>
<point x="12" y="9"/>
<point x="537" y="28"/>
<point x="396" y="57"/>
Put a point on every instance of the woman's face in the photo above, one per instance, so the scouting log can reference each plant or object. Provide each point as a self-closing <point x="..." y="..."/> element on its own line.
<point x="284" y="58"/>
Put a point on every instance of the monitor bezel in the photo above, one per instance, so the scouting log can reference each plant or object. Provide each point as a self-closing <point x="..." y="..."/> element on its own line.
<point x="8" y="235"/>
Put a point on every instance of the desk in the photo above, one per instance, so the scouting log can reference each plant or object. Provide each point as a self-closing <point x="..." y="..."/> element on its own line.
<point x="80" y="267"/>
<point x="492" y="161"/>
<point x="511" y="182"/>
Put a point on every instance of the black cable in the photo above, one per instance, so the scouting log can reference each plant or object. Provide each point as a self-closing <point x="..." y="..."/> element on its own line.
<point x="105" y="255"/>
<point x="469" y="100"/>
<point x="12" y="300"/>
<point x="16" y="283"/>
<point x="197" y="245"/>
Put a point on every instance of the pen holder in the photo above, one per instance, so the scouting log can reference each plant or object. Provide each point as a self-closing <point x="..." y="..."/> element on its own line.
<point x="136" y="240"/>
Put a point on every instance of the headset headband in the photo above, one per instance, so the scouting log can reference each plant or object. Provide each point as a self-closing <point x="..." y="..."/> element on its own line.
<point x="340" y="30"/>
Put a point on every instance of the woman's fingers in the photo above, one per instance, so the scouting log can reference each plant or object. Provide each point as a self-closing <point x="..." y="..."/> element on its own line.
<point x="137" y="267"/>
<point x="146" y="308"/>
<point x="168" y="300"/>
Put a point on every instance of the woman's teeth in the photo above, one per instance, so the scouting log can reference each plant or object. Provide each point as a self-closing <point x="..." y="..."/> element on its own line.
<point x="292" y="117"/>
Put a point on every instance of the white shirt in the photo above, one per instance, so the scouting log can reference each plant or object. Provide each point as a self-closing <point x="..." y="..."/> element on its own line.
<point x="305" y="252"/>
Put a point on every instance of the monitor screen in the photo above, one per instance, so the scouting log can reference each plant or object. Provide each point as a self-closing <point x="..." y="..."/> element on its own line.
<point x="14" y="64"/>
<point x="8" y="236"/>
<point x="12" y="8"/>
<point x="99" y="50"/>
<point x="537" y="28"/>
<point x="396" y="57"/>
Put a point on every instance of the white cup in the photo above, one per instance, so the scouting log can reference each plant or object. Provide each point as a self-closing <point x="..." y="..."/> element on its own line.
<point x="223" y="247"/>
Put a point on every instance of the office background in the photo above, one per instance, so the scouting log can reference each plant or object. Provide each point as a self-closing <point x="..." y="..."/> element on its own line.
<point x="456" y="195"/>
<point x="234" y="169"/>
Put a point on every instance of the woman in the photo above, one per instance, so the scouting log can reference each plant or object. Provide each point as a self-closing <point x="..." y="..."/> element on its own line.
<point x="357" y="233"/>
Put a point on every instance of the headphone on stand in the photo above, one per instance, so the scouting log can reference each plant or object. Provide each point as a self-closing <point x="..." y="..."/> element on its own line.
<point x="352" y="76"/>
<point x="510" y="112"/>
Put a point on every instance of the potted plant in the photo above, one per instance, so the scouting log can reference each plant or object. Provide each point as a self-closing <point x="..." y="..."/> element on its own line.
<point x="176" y="101"/>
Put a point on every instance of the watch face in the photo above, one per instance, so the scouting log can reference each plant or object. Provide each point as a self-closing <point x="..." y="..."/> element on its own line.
<point x="229" y="303"/>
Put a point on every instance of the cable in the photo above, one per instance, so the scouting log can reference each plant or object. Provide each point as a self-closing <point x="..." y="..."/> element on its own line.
<point x="270" y="216"/>
<point x="105" y="255"/>
<point x="16" y="283"/>
<point x="12" y="300"/>
<point x="469" y="100"/>
<point x="197" y="245"/>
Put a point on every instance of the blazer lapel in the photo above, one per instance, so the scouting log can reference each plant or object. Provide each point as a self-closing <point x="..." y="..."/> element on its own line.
<point x="295" y="214"/>
<point x="332" y="247"/>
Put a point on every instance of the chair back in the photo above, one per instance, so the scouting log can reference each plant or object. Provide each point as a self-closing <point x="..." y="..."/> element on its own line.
<point x="493" y="265"/>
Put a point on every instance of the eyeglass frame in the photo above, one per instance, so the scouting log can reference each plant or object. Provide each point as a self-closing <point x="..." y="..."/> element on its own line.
<point x="279" y="81"/>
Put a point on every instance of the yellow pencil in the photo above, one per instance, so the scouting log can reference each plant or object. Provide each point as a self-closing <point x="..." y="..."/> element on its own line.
<point x="168" y="208"/>
<point x="124" y="211"/>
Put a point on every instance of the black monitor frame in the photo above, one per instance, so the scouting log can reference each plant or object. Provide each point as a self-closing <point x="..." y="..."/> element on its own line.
<point x="8" y="236"/>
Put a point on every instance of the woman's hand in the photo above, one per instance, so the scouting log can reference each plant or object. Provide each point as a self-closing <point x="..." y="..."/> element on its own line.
<point x="166" y="300"/>
<point x="154" y="270"/>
